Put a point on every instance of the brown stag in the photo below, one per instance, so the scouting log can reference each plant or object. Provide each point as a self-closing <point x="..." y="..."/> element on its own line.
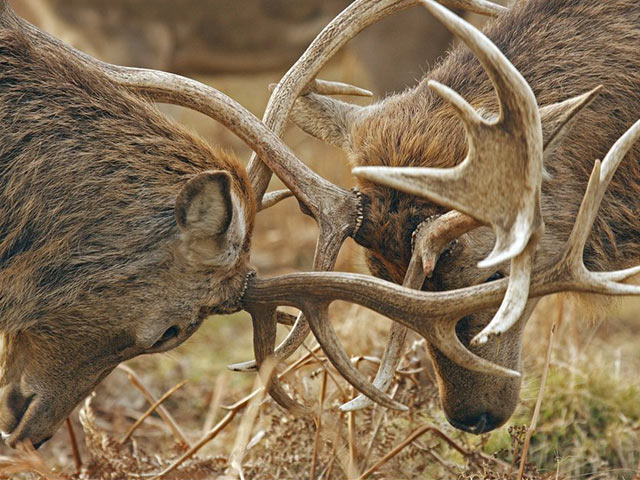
<point x="523" y="164"/>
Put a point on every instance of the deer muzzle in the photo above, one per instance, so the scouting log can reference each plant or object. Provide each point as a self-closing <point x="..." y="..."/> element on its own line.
<point x="24" y="417"/>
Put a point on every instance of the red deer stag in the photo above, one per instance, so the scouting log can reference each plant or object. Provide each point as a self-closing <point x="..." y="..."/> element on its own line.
<point x="120" y="232"/>
<point x="524" y="164"/>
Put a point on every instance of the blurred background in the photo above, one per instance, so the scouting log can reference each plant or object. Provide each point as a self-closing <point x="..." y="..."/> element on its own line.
<point x="590" y="418"/>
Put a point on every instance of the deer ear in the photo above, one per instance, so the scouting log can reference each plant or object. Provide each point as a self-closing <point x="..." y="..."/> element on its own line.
<point x="204" y="206"/>
<point x="326" y="118"/>
<point x="558" y="118"/>
<point x="210" y="218"/>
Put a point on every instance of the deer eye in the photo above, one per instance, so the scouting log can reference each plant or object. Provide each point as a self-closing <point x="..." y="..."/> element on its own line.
<point x="494" y="277"/>
<point x="171" y="333"/>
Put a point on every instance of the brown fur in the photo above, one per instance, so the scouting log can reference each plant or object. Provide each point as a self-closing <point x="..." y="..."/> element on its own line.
<point x="563" y="48"/>
<point x="90" y="252"/>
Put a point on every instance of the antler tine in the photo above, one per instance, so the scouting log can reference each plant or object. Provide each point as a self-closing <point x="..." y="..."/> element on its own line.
<point x="435" y="235"/>
<point x="570" y="268"/>
<point x="513" y="212"/>
<point x="572" y="260"/>
<point x="271" y="198"/>
<point x="390" y="361"/>
<point x="264" y="338"/>
<point x="288" y="347"/>
<point x="482" y="7"/>
<point x="414" y="278"/>
<point x="326" y="87"/>
<point x="599" y="181"/>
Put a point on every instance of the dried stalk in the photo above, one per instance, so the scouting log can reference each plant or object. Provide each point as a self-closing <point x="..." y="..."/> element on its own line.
<point x="316" y="437"/>
<point x="77" y="460"/>
<point x="151" y="409"/>
<point x="352" y="467"/>
<point x="219" y="388"/>
<point x="163" y="412"/>
<point x="233" y="410"/>
<point x="244" y="431"/>
<point x="543" y="384"/>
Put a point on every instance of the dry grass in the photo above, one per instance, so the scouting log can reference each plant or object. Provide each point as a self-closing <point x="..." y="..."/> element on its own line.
<point x="588" y="425"/>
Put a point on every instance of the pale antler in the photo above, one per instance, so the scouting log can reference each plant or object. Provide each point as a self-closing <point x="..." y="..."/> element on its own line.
<point x="351" y="21"/>
<point x="510" y="147"/>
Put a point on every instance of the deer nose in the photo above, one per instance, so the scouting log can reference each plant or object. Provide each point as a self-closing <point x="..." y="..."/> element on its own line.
<point x="476" y="424"/>
<point x="13" y="405"/>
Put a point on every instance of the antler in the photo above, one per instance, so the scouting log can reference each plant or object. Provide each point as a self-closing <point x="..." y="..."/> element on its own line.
<point x="510" y="146"/>
<point x="314" y="291"/>
<point x="337" y="211"/>
<point x="355" y="18"/>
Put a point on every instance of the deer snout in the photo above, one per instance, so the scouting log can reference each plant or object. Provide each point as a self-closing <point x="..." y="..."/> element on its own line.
<point x="22" y="418"/>
<point x="13" y="405"/>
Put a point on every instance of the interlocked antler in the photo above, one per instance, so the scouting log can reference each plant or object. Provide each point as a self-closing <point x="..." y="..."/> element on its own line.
<point x="510" y="147"/>
<point x="314" y="291"/>
<point x="336" y="210"/>
<point x="299" y="80"/>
